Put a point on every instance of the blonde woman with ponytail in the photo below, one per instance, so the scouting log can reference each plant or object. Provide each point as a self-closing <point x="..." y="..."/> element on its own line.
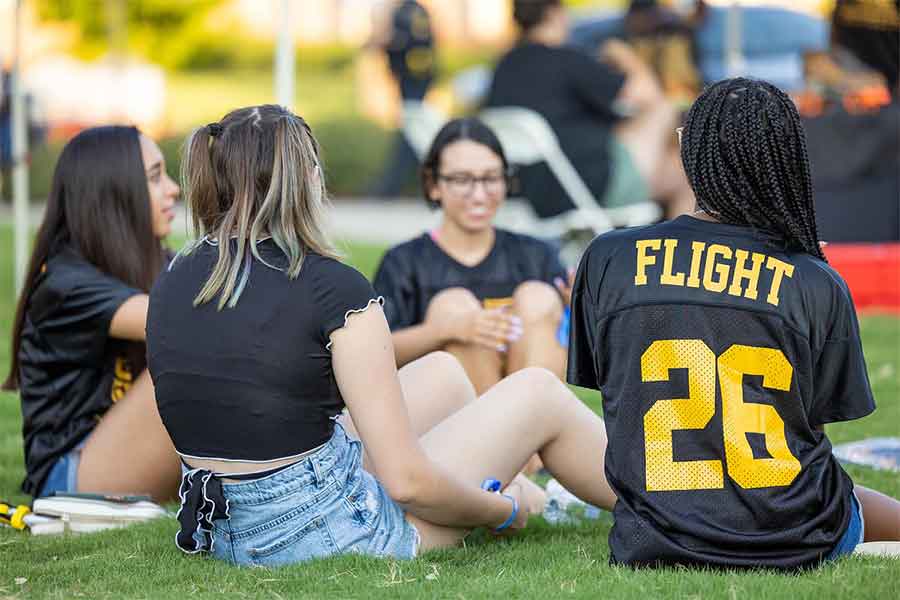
<point x="258" y="339"/>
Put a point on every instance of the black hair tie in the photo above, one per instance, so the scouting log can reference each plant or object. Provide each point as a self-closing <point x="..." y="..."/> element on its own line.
<point x="215" y="129"/>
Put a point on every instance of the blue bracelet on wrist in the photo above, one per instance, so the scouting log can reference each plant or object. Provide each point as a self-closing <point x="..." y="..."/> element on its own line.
<point x="494" y="486"/>
<point x="512" y="517"/>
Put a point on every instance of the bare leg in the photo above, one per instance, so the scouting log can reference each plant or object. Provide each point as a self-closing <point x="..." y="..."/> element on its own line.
<point x="529" y="411"/>
<point x="881" y="514"/>
<point x="130" y="452"/>
<point x="434" y="387"/>
<point x="484" y="366"/>
<point x="539" y="306"/>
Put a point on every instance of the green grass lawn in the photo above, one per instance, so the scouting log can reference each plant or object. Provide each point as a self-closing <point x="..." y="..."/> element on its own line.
<point x="542" y="562"/>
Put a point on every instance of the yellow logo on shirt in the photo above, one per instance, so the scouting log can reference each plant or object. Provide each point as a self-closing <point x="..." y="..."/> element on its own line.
<point x="490" y="303"/>
<point x="122" y="379"/>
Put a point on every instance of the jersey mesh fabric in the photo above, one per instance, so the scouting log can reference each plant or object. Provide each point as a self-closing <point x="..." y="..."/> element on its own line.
<point x="70" y="370"/>
<point x="713" y="402"/>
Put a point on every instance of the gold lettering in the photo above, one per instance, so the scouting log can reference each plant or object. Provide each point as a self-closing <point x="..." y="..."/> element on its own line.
<point x="742" y="272"/>
<point x="697" y="249"/>
<point x="779" y="269"/>
<point x="644" y="260"/>
<point x="723" y="270"/>
<point x="667" y="277"/>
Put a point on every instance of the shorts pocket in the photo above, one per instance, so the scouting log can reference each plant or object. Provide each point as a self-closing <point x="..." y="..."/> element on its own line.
<point x="284" y="545"/>
<point x="363" y="505"/>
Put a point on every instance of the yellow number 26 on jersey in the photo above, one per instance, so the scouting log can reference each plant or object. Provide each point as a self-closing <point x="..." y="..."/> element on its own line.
<point x="695" y="412"/>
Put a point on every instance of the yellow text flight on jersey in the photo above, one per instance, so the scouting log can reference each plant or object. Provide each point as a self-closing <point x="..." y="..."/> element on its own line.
<point x="714" y="267"/>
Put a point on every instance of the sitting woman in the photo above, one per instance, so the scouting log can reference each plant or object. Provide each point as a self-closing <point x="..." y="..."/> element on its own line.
<point x="479" y="292"/>
<point x="723" y="344"/>
<point x="90" y="419"/>
<point x="258" y="337"/>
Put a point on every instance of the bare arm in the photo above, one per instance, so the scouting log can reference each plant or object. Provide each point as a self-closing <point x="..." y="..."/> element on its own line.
<point x="365" y="370"/>
<point x="130" y="320"/>
<point x="641" y="88"/>
<point x="415" y="342"/>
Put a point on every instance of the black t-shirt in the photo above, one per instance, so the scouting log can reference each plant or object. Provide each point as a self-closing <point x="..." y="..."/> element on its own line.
<point x="719" y="356"/>
<point x="574" y="92"/>
<point x="414" y="272"/>
<point x="871" y="30"/>
<point x="253" y="382"/>
<point x="70" y="370"/>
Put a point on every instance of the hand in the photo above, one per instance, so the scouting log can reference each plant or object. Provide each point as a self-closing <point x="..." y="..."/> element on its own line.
<point x="492" y="328"/>
<point x="565" y="287"/>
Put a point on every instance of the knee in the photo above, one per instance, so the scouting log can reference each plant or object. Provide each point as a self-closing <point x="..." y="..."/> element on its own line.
<point x="537" y="301"/>
<point x="452" y="302"/>
<point x="451" y="373"/>
<point x="546" y="393"/>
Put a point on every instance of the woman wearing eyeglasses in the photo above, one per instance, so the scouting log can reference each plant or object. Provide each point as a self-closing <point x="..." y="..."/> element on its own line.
<point x="492" y="298"/>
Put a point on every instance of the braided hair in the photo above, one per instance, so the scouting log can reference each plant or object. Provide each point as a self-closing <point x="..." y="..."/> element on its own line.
<point x="744" y="153"/>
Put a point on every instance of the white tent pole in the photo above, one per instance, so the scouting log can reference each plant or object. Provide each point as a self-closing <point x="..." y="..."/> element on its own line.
<point x="284" y="58"/>
<point x="734" y="57"/>
<point x="19" y="155"/>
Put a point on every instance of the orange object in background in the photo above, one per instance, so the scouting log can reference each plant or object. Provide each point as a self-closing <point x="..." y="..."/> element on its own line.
<point x="872" y="271"/>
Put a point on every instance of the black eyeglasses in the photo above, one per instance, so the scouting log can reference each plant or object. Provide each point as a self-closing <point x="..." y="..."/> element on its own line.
<point x="463" y="184"/>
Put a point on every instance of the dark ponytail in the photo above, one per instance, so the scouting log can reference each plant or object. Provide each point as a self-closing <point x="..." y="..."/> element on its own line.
<point x="744" y="153"/>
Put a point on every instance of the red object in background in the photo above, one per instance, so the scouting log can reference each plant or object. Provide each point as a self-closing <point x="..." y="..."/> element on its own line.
<point x="872" y="271"/>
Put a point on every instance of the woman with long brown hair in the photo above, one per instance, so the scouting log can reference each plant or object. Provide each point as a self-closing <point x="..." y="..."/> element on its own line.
<point x="78" y="355"/>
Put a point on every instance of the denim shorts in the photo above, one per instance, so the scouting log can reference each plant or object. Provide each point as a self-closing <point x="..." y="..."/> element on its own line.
<point x="63" y="476"/>
<point x="322" y="505"/>
<point x="855" y="533"/>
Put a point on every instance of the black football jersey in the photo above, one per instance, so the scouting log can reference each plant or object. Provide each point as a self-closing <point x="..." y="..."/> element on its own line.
<point x="414" y="272"/>
<point x="70" y="370"/>
<point x="720" y="356"/>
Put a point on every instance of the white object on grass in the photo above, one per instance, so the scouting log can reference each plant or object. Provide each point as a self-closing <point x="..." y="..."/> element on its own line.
<point x="884" y="549"/>
<point x="65" y="513"/>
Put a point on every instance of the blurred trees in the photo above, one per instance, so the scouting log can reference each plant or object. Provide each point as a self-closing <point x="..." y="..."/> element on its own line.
<point x="174" y="34"/>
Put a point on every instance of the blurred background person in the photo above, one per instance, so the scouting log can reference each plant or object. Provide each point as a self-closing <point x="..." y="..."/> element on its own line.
<point x="851" y="103"/>
<point x="78" y="356"/>
<point x="622" y="160"/>
<point x="402" y="29"/>
<point x="486" y="295"/>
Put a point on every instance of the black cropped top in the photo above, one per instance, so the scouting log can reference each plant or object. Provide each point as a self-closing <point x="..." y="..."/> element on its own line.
<point x="253" y="382"/>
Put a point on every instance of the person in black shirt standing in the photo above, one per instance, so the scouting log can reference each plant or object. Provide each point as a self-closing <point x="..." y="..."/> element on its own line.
<point x="622" y="161"/>
<point x="723" y="344"/>
<point x="78" y="357"/>
<point x="484" y="294"/>
<point x="257" y="337"/>
<point x="409" y="45"/>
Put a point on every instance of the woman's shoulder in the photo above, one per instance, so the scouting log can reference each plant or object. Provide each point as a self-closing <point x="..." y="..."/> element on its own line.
<point x="67" y="270"/>
<point x="329" y="272"/>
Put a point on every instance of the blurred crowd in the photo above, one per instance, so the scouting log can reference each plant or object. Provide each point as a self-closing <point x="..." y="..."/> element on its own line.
<point x="613" y="89"/>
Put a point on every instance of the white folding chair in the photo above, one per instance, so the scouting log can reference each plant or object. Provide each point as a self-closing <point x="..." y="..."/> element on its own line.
<point x="421" y="123"/>
<point x="527" y="138"/>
